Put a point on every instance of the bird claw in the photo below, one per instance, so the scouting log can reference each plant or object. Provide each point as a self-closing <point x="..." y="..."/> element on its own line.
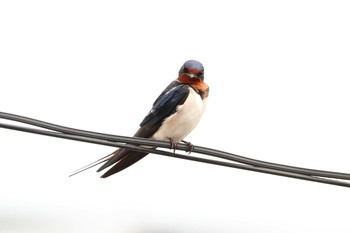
<point x="173" y="144"/>
<point x="189" y="145"/>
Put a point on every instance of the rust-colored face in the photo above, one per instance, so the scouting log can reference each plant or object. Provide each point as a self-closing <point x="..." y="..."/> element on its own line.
<point x="195" y="82"/>
<point x="192" y="74"/>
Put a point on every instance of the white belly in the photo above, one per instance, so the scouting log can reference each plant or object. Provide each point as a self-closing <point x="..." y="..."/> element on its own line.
<point x="184" y="120"/>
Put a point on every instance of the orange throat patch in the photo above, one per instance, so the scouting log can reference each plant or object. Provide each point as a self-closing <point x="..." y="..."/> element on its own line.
<point x="196" y="83"/>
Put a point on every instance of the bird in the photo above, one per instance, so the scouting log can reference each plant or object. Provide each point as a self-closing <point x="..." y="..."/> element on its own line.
<point x="174" y="114"/>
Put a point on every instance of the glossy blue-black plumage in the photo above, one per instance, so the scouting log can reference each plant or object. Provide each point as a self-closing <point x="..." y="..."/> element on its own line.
<point x="165" y="105"/>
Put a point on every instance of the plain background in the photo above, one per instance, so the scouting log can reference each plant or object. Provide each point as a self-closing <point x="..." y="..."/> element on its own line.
<point x="279" y="91"/>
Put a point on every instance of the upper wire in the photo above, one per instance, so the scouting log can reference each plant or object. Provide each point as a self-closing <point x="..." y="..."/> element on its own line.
<point x="133" y="143"/>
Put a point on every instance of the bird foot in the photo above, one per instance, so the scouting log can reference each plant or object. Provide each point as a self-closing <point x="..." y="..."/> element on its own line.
<point x="173" y="144"/>
<point x="189" y="145"/>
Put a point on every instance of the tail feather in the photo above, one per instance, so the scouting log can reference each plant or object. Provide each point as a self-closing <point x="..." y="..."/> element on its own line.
<point x="120" y="158"/>
<point x="129" y="158"/>
<point x="116" y="156"/>
<point x="93" y="164"/>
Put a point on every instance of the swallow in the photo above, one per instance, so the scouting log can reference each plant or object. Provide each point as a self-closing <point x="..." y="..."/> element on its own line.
<point x="174" y="114"/>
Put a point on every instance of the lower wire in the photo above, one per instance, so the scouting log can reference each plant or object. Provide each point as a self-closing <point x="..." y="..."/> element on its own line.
<point x="163" y="144"/>
<point x="174" y="155"/>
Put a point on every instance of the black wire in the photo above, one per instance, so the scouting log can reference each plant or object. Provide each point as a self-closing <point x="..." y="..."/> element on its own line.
<point x="174" y="155"/>
<point x="119" y="141"/>
<point x="163" y="144"/>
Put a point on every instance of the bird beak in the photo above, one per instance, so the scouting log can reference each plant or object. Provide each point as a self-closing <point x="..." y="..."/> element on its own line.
<point x="193" y="75"/>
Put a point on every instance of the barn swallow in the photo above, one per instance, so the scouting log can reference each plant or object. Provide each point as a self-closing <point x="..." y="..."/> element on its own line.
<point x="174" y="114"/>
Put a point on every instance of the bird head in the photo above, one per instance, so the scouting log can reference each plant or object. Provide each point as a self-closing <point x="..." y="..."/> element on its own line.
<point x="192" y="68"/>
<point x="192" y="74"/>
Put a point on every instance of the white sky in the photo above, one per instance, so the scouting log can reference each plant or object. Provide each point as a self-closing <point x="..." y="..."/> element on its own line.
<point x="279" y="91"/>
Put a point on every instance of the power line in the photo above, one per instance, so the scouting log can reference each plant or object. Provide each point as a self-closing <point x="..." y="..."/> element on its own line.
<point x="137" y="144"/>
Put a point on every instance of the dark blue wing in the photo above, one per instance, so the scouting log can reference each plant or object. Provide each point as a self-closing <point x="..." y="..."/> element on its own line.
<point x="164" y="106"/>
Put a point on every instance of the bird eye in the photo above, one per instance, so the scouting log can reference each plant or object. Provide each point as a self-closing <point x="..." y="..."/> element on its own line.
<point x="200" y="74"/>
<point x="185" y="70"/>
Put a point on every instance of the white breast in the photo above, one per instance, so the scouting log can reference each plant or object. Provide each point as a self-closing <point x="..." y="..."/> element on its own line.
<point x="184" y="120"/>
